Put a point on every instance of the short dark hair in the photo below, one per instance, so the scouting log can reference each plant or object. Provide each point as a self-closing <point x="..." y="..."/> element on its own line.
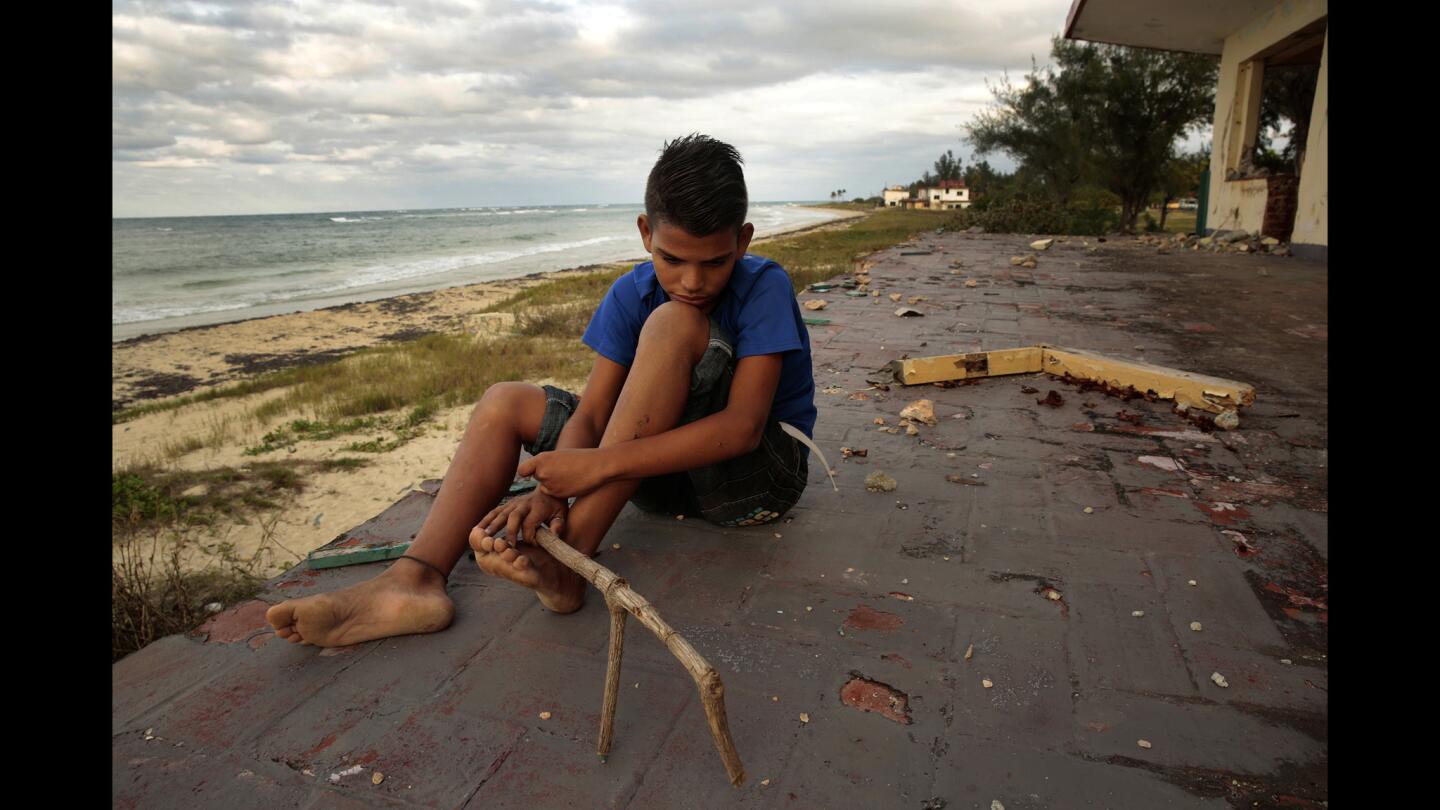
<point x="698" y="185"/>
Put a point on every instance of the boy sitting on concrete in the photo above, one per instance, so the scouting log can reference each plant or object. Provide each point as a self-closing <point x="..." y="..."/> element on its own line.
<point x="701" y="355"/>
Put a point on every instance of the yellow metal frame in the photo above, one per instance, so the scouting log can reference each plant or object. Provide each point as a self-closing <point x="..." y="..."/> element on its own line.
<point x="1213" y="394"/>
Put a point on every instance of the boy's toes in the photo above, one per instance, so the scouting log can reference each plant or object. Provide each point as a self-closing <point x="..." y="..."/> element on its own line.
<point x="521" y="563"/>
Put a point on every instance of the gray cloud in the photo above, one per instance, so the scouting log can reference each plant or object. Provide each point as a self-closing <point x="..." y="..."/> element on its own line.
<point x="288" y="92"/>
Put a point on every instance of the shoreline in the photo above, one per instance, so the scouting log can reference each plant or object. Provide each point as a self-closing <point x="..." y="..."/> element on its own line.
<point x="159" y="365"/>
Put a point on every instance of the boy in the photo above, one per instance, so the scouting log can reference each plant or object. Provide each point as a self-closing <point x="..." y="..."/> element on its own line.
<point x="702" y="354"/>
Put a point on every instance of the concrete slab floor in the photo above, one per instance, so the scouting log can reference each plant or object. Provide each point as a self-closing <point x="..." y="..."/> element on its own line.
<point x="925" y="593"/>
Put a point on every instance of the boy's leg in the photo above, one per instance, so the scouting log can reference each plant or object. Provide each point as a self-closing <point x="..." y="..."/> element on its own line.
<point x="674" y="337"/>
<point x="409" y="597"/>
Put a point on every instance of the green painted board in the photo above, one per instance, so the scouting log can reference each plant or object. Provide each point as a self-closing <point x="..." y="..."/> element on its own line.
<point x="816" y="321"/>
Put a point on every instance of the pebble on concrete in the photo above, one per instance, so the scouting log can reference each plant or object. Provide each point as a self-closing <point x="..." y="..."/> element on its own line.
<point x="1143" y="743"/>
<point x="879" y="482"/>
<point x="1139" y="614"/>
<point x="1195" y="626"/>
<point x="987" y="683"/>
<point x="1219" y="680"/>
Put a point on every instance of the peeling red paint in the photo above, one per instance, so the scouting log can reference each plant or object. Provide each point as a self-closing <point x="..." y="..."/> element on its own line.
<point x="347" y="543"/>
<point x="897" y="658"/>
<point x="1083" y="427"/>
<point x="872" y="696"/>
<point x="325" y="743"/>
<point x="1201" y="328"/>
<point x="864" y="617"/>
<point x="1296" y="598"/>
<point x="1223" y="512"/>
<point x="235" y="624"/>
<point x="367" y="757"/>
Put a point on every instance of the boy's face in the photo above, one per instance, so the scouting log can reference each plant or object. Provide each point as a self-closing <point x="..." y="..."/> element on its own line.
<point x="694" y="269"/>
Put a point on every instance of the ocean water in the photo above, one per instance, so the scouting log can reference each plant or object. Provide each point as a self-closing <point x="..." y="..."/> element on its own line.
<point x="170" y="273"/>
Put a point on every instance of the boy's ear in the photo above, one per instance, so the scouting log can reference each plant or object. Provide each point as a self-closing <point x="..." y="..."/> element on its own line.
<point x="742" y="244"/>
<point x="643" y="223"/>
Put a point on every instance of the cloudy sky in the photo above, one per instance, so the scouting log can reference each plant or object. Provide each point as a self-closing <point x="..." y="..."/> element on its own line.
<point x="297" y="106"/>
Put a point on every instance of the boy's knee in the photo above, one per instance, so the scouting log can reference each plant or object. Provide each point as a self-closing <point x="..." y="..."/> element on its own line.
<point x="677" y="324"/>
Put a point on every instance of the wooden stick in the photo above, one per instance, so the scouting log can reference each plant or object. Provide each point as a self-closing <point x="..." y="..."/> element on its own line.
<point x="612" y="677"/>
<point x="617" y="592"/>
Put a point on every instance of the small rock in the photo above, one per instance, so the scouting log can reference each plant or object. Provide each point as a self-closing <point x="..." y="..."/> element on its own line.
<point x="817" y="303"/>
<point x="911" y="430"/>
<point x="376" y="778"/>
<point x="971" y="283"/>
<point x="915" y="299"/>
<point x="804" y="717"/>
<point x="774" y="698"/>
<point x="679" y="517"/>
<point x="921" y="410"/>
<point x="808" y="608"/>
<point x="197" y="491"/>
<point x="896" y="297"/>
<point x="1139" y="614"/>
<point x="1193" y="583"/>
<point x="1195" y="626"/>
<point x="1219" y="680"/>
<point x="1041" y="244"/>
<point x="764" y="783"/>
<point x="907" y="312"/>
<point x="1052" y="594"/>
<point x="996" y="805"/>
<point x="214" y="607"/>
<point x="879" y="482"/>
<point x="777" y="535"/>
<point x="1269" y="241"/>
<point x="1089" y="510"/>
<point x="1286" y="661"/>
<point x="615" y="546"/>
<point x="987" y="683"/>
<point x="1143" y="743"/>
<point x="544" y="715"/>
<point x="1228" y="420"/>
<point x="969" y="651"/>
<point x="905" y="581"/>
<point x="877" y="421"/>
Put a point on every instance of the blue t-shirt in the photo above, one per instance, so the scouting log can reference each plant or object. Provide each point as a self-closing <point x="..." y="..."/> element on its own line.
<point x="757" y="308"/>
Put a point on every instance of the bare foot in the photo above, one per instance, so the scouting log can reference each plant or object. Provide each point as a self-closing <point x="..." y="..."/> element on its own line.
<point x="405" y="598"/>
<point x="558" y="588"/>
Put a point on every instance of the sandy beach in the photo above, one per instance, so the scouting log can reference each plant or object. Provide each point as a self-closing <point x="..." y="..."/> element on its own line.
<point x="152" y="368"/>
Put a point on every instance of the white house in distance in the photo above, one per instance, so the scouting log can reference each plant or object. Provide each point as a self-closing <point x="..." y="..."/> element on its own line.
<point x="948" y="194"/>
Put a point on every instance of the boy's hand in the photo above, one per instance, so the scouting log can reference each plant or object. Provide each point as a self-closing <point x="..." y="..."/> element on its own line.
<point x="565" y="473"/>
<point x="520" y="516"/>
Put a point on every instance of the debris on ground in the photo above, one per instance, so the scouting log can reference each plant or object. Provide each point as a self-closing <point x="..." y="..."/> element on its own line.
<point x="376" y="778"/>
<point x="1139" y="614"/>
<point x="970" y="282"/>
<point x="921" y="410"/>
<point x="896" y="297"/>
<point x="879" y="482"/>
<point x="1026" y="389"/>
<point x="858" y="452"/>
<point x="1219" y="680"/>
<point x="960" y="479"/>
<point x="987" y="683"/>
<point x="907" y="312"/>
<point x="544" y="715"/>
<point x="814" y="303"/>
<point x="338" y="775"/>
<point x="969" y="651"/>
<point x="1088" y="510"/>
<point x="1193" y="583"/>
<point x="1143" y="743"/>
<point x="1041" y="244"/>
<point x="915" y="299"/>
<point x="1052" y="399"/>
<point x="804" y="717"/>
<point x="1227" y="420"/>
<point x="1195" y="626"/>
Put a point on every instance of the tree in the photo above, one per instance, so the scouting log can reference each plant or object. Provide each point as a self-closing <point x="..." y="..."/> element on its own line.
<point x="1287" y="93"/>
<point x="1180" y="178"/>
<point x="1101" y="113"/>
<point x="947" y="167"/>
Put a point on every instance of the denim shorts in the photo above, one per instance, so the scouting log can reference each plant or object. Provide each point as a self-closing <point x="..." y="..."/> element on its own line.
<point x="754" y="488"/>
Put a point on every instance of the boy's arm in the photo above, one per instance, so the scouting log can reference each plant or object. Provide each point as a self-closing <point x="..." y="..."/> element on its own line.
<point x="734" y="431"/>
